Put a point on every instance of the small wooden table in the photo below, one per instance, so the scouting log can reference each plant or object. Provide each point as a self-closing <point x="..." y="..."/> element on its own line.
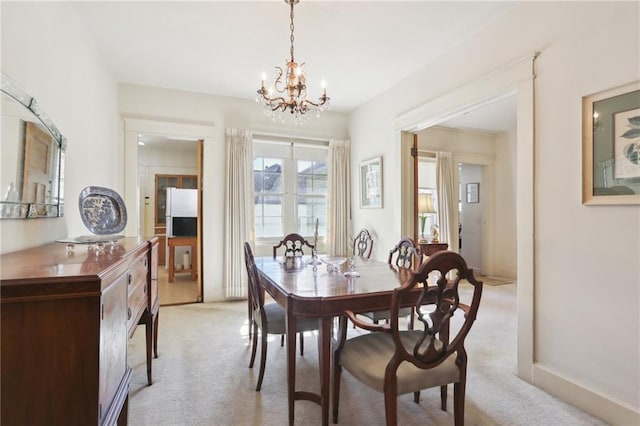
<point x="174" y="242"/>
<point x="427" y="249"/>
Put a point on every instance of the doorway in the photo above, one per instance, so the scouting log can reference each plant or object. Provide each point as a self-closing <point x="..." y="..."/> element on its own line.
<point x="515" y="79"/>
<point x="167" y="165"/>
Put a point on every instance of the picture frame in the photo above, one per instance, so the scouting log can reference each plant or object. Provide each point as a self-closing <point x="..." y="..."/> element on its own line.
<point x="473" y="193"/>
<point x="371" y="194"/>
<point x="611" y="146"/>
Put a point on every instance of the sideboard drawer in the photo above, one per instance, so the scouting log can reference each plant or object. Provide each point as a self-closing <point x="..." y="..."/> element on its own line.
<point x="139" y="270"/>
<point x="136" y="305"/>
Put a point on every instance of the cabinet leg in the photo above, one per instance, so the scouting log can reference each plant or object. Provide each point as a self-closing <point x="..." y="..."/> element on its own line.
<point x="155" y="335"/>
<point x="149" y="339"/>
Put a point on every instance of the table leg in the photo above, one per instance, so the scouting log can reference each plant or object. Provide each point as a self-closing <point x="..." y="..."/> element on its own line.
<point x="325" y="325"/>
<point x="291" y="363"/>
<point x="172" y="252"/>
<point x="194" y="264"/>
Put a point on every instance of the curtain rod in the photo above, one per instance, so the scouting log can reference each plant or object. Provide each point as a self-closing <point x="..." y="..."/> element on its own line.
<point x="280" y="136"/>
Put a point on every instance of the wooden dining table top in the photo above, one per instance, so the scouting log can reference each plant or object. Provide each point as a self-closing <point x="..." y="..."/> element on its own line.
<point x="314" y="291"/>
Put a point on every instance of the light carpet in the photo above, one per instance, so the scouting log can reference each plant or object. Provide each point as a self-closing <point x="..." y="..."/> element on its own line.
<point x="201" y="376"/>
<point x="493" y="281"/>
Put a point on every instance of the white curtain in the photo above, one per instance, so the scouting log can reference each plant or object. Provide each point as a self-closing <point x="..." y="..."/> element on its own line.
<point x="339" y="193"/>
<point x="238" y="208"/>
<point x="447" y="200"/>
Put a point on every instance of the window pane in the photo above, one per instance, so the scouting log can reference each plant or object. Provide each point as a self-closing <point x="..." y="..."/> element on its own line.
<point x="268" y="216"/>
<point x="272" y="227"/>
<point x="258" y="164"/>
<point x="304" y="166"/>
<point x="272" y="182"/>
<point x="189" y="182"/>
<point x="272" y="206"/>
<point x="267" y="174"/>
<point x="320" y="185"/>
<point x="258" y="181"/>
<point x="304" y="184"/>
<point x="312" y="177"/>
<point x="309" y="210"/>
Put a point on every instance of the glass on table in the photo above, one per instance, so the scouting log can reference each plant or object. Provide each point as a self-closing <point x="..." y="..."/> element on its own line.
<point x="351" y="265"/>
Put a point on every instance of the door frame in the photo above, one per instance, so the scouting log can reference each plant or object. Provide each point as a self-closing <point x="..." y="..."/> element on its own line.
<point x="132" y="128"/>
<point x="516" y="78"/>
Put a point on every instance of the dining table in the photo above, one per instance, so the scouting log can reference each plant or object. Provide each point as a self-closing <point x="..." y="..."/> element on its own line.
<point x="324" y="291"/>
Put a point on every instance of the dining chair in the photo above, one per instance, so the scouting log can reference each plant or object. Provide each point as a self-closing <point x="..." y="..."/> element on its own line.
<point x="267" y="318"/>
<point x="403" y="255"/>
<point x="363" y="244"/>
<point x="293" y="246"/>
<point x="397" y="362"/>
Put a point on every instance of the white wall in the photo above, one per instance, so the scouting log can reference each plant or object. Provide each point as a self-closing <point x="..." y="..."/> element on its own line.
<point x="220" y="113"/>
<point x="47" y="51"/>
<point x="473" y="218"/>
<point x="585" y="48"/>
<point x="505" y="251"/>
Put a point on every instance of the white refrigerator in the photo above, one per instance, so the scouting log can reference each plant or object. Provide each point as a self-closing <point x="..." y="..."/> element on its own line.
<point x="182" y="216"/>
<point x="181" y="204"/>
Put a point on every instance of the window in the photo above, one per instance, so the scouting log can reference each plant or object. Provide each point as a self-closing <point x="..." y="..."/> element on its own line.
<point x="290" y="188"/>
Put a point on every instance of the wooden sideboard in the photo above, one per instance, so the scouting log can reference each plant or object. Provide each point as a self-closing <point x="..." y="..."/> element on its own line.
<point x="66" y="317"/>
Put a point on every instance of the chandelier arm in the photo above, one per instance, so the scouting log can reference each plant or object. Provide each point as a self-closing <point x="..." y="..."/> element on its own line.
<point x="277" y="84"/>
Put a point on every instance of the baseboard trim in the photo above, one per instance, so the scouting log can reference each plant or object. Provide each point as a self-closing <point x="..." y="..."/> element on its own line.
<point x="606" y="409"/>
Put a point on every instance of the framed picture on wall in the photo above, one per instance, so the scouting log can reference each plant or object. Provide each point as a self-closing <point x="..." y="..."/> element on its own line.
<point x="371" y="183"/>
<point x="473" y="193"/>
<point x="611" y="146"/>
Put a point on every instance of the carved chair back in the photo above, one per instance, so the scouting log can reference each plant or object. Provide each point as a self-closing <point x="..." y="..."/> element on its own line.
<point x="435" y="306"/>
<point x="293" y="246"/>
<point x="404" y="254"/>
<point x="363" y="244"/>
<point x="256" y="294"/>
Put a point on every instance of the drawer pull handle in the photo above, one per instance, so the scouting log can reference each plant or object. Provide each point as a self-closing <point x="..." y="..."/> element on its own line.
<point x="145" y="262"/>
<point x="130" y="279"/>
<point x="128" y="314"/>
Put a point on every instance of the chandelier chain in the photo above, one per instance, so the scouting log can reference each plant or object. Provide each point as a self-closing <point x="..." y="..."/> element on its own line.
<point x="291" y="28"/>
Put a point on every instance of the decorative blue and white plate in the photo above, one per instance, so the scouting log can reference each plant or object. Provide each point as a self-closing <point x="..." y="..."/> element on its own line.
<point x="102" y="210"/>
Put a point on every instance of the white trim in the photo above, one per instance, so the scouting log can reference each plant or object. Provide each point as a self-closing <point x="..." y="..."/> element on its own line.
<point x="491" y="87"/>
<point x="609" y="410"/>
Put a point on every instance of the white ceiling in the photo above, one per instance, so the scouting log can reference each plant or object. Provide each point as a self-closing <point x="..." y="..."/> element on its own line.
<point x="498" y="116"/>
<point x="361" y="48"/>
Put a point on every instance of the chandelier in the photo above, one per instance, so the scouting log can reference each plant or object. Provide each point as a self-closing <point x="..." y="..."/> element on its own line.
<point x="290" y="89"/>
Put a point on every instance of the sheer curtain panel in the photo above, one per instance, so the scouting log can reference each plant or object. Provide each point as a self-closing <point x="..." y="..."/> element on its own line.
<point x="238" y="208"/>
<point x="339" y="181"/>
<point x="447" y="200"/>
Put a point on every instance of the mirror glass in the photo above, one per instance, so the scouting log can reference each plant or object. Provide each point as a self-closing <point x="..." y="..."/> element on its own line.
<point x="32" y="152"/>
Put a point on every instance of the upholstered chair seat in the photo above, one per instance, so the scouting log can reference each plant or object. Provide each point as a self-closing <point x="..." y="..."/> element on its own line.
<point x="276" y="317"/>
<point x="378" y="348"/>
